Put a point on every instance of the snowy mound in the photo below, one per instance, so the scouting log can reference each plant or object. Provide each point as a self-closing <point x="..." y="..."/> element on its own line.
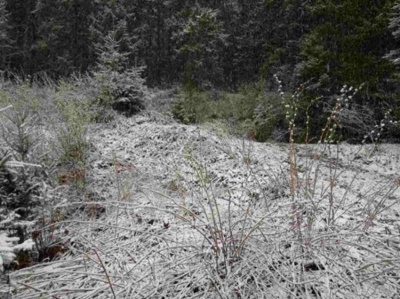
<point x="190" y="213"/>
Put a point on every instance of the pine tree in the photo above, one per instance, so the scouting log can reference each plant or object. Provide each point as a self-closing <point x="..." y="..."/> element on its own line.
<point x="394" y="57"/>
<point x="23" y="25"/>
<point x="394" y="27"/>
<point x="346" y="47"/>
<point x="63" y="37"/>
<point x="348" y="43"/>
<point x="5" y="43"/>
<point x="199" y="40"/>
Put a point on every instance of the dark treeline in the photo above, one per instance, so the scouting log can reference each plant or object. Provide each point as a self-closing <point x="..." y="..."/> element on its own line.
<point x="222" y="43"/>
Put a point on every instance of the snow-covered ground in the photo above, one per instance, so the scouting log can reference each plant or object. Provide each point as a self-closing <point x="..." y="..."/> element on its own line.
<point x="191" y="213"/>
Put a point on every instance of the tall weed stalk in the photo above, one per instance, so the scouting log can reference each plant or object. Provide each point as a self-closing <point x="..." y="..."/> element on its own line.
<point x="320" y="206"/>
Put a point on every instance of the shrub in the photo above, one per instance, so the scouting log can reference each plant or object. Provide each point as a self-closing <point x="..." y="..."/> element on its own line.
<point x="42" y="131"/>
<point x="250" y="112"/>
<point x="192" y="106"/>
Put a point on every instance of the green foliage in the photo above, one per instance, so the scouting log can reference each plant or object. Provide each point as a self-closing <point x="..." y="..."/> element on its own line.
<point x="255" y="114"/>
<point x="198" y="42"/>
<point x="113" y="75"/>
<point x="192" y="106"/>
<point x="42" y="131"/>
<point x="348" y="43"/>
<point x="19" y="121"/>
<point x="394" y="27"/>
<point x="5" y="40"/>
<point x="74" y="114"/>
<point x="249" y="112"/>
<point x="19" y="177"/>
<point x="206" y="44"/>
<point x="347" y="46"/>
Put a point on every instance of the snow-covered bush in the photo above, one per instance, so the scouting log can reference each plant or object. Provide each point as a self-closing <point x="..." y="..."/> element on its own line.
<point x="9" y="249"/>
<point x="19" y="183"/>
<point x="7" y="254"/>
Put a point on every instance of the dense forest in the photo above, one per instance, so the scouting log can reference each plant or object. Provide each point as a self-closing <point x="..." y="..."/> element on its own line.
<point x="322" y="45"/>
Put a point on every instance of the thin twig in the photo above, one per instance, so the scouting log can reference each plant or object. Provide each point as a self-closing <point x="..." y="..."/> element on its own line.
<point x="106" y="273"/>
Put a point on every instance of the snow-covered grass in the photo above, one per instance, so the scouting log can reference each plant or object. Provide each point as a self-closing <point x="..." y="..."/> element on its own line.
<point x="175" y="211"/>
<point x="42" y="135"/>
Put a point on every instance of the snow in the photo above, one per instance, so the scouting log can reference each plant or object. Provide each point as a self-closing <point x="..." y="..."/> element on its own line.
<point x="178" y="195"/>
<point x="26" y="246"/>
<point x="6" y="250"/>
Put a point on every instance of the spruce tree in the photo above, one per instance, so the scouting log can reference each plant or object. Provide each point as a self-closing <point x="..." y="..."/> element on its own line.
<point x="5" y="43"/>
<point x="348" y="43"/>
<point x="346" y="46"/>
<point x="199" y="41"/>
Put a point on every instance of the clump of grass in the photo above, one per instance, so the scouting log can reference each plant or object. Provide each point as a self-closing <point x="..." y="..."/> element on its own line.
<point x="71" y="146"/>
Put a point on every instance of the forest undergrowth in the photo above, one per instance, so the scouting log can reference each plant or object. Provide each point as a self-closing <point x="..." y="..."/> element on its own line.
<point x="146" y="207"/>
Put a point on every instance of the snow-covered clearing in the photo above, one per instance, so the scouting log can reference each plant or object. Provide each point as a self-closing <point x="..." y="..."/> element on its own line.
<point x="195" y="214"/>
